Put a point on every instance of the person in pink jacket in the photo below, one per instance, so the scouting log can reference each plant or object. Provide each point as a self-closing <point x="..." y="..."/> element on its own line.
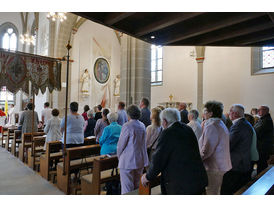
<point x="131" y="151"/>
<point x="214" y="147"/>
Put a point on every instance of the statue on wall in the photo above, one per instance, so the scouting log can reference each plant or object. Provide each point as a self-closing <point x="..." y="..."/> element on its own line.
<point x="85" y="83"/>
<point x="117" y="85"/>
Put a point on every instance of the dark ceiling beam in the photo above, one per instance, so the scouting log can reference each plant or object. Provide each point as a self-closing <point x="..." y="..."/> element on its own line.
<point x="254" y="40"/>
<point x="235" y="33"/>
<point x="115" y="17"/>
<point x="212" y="26"/>
<point x="166" y="21"/>
<point x="271" y="16"/>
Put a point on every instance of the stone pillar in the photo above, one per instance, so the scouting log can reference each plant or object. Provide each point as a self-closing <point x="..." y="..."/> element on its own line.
<point x="200" y="56"/>
<point x="135" y="70"/>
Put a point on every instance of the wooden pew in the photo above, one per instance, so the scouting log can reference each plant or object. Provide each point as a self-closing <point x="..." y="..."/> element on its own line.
<point x="9" y="137"/>
<point x="147" y="190"/>
<point x="261" y="185"/>
<point x="34" y="153"/>
<point x="77" y="158"/>
<point x="4" y="132"/>
<point x="53" y="154"/>
<point x="26" y="143"/>
<point x="15" y="143"/>
<point x="101" y="173"/>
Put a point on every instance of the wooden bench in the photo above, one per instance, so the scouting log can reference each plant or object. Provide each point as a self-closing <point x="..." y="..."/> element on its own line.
<point x="9" y="137"/>
<point x="261" y="185"/>
<point x="26" y="143"/>
<point x="52" y="155"/>
<point x="147" y="190"/>
<point x="77" y="158"/>
<point x="101" y="173"/>
<point x="4" y="132"/>
<point x="34" y="153"/>
<point x="15" y="143"/>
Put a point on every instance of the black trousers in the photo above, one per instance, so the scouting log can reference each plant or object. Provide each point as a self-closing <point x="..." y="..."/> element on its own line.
<point x="233" y="181"/>
<point x="262" y="163"/>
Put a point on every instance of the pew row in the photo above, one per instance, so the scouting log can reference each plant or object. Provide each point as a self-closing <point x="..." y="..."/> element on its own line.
<point x="35" y="151"/>
<point x="53" y="155"/>
<point x="76" y="159"/>
<point x="27" y="143"/>
<point x="104" y="170"/>
<point x="15" y="143"/>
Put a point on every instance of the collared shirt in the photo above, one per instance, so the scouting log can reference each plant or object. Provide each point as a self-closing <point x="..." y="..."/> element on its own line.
<point x="122" y="117"/>
<point x="236" y="120"/>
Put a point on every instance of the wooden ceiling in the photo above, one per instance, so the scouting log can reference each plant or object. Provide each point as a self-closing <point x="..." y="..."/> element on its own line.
<point x="192" y="28"/>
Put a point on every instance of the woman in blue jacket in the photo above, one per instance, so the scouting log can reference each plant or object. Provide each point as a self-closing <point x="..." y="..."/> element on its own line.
<point x="110" y="136"/>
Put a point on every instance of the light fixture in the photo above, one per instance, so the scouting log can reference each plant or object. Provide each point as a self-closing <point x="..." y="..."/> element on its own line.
<point x="27" y="39"/>
<point x="152" y="37"/>
<point x="57" y="15"/>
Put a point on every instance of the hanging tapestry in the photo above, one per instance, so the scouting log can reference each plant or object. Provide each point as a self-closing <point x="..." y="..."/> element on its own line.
<point x="17" y="69"/>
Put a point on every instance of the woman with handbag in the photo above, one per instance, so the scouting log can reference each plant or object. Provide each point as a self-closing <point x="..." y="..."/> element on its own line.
<point x="153" y="131"/>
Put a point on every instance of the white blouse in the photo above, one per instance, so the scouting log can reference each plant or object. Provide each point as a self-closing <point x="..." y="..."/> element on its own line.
<point x="53" y="130"/>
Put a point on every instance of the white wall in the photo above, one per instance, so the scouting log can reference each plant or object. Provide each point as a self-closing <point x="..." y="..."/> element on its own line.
<point x="85" y="52"/>
<point x="227" y="78"/>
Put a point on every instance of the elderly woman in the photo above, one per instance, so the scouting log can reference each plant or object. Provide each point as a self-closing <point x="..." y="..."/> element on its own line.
<point x="75" y="127"/>
<point x="194" y="123"/>
<point x="153" y="131"/>
<point x="214" y="146"/>
<point x="131" y="150"/>
<point x="110" y="136"/>
<point x="53" y="128"/>
<point x="90" y="124"/>
<point x="101" y="124"/>
<point x="26" y="120"/>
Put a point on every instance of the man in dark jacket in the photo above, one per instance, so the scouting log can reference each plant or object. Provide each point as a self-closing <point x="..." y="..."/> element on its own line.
<point x="183" y="113"/>
<point x="177" y="158"/>
<point x="240" y="139"/>
<point x="145" y="113"/>
<point x="264" y="131"/>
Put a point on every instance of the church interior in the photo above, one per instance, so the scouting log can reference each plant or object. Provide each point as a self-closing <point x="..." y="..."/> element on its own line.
<point x="105" y="58"/>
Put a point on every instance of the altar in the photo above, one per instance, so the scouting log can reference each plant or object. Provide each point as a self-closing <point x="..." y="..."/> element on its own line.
<point x="172" y="104"/>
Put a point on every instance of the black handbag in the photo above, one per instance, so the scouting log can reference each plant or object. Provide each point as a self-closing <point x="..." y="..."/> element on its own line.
<point x="113" y="187"/>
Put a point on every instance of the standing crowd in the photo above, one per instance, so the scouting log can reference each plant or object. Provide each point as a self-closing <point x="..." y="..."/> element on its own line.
<point x="216" y="154"/>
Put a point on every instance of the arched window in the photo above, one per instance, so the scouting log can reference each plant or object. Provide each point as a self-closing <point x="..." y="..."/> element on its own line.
<point x="8" y="36"/>
<point x="156" y="65"/>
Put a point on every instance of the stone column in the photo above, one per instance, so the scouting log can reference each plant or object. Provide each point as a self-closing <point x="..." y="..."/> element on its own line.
<point x="200" y="56"/>
<point x="135" y="70"/>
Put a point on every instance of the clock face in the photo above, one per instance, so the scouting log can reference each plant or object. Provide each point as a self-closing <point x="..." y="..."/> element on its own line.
<point x="101" y="70"/>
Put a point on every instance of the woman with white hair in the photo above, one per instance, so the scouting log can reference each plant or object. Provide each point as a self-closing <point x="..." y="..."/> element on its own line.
<point x="110" y="136"/>
<point x="90" y="124"/>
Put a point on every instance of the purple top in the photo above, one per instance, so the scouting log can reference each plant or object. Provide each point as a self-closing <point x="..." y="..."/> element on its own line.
<point x="99" y="128"/>
<point x="131" y="147"/>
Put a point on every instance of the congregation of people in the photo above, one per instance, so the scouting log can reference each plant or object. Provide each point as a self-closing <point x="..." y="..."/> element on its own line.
<point x="215" y="154"/>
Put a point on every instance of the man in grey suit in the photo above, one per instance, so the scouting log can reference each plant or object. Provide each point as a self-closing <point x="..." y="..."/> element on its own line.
<point x="240" y="139"/>
<point x="145" y="113"/>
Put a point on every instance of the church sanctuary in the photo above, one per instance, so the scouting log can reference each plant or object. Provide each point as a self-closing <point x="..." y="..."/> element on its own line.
<point x="136" y="103"/>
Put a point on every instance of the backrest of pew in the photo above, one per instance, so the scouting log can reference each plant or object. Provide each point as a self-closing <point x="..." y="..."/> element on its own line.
<point x="100" y="165"/>
<point x="89" y="141"/>
<point x="80" y="153"/>
<point x="147" y="190"/>
<point x="27" y="137"/>
<point x="39" y="141"/>
<point x="17" y="134"/>
<point x="53" y="146"/>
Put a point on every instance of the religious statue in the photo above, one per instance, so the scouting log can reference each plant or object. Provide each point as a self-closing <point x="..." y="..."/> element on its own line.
<point x="85" y="83"/>
<point x="117" y="86"/>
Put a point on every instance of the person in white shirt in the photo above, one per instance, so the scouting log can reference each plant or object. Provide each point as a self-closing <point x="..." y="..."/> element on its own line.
<point x="194" y="123"/>
<point x="53" y="128"/>
<point x="46" y="113"/>
<point x="11" y="114"/>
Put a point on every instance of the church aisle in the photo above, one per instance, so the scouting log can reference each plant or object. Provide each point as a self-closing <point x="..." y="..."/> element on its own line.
<point x="18" y="179"/>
